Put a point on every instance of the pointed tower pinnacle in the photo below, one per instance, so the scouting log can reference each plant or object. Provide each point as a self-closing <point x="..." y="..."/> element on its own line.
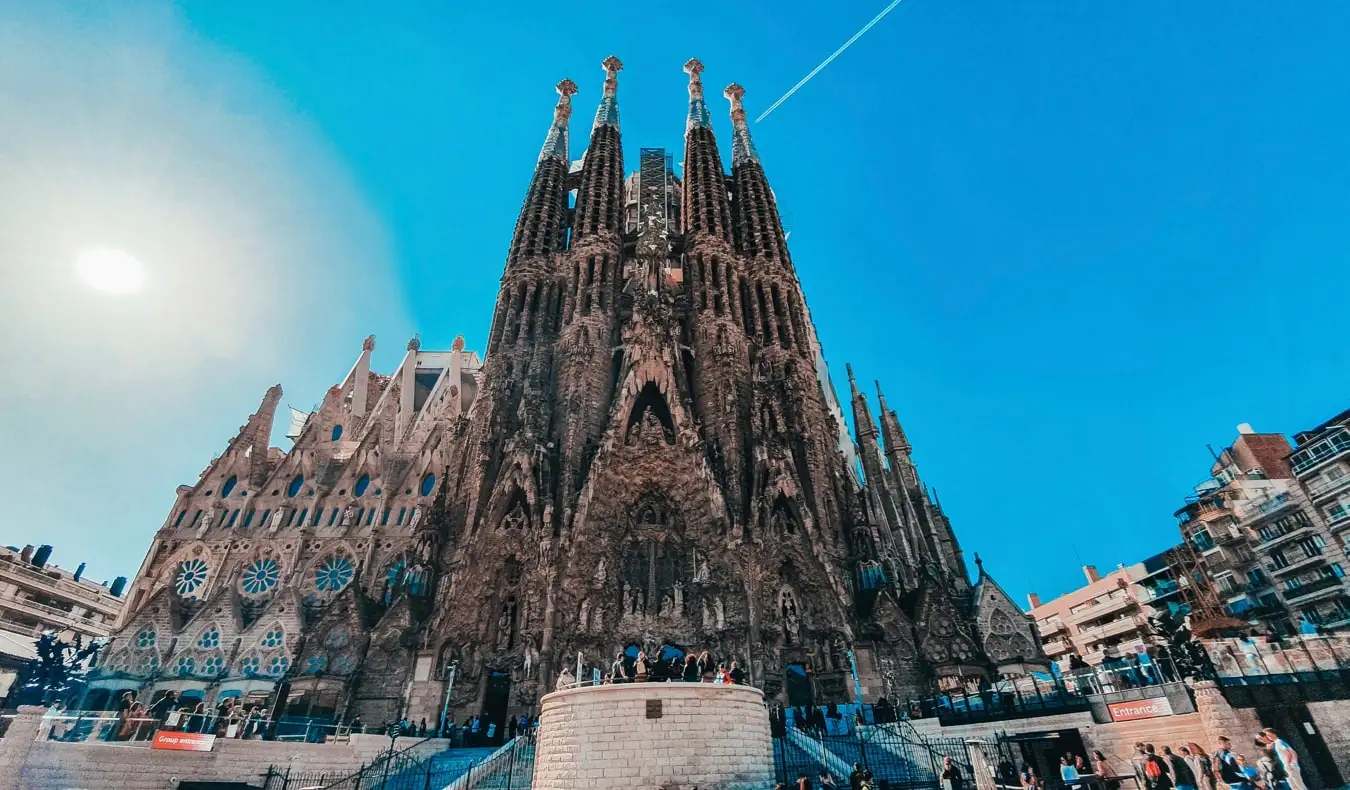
<point x="555" y="144"/>
<point x="852" y="382"/>
<point x="891" y="431"/>
<point x="608" y="113"/>
<point x="699" y="118"/>
<point x="742" y="147"/>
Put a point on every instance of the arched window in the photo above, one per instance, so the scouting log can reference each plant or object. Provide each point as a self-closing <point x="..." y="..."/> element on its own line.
<point x="296" y="483"/>
<point x="178" y="522"/>
<point x="337" y="432"/>
<point x="650" y="413"/>
<point x="361" y="485"/>
<point x="229" y="486"/>
<point x="403" y="511"/>
<point x="234" y="515"/>
<point x="428" y="484"/>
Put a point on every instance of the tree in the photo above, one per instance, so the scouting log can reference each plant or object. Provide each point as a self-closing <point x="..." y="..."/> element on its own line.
<point x="1190" y="658"/>
<point x="57" y="672"/>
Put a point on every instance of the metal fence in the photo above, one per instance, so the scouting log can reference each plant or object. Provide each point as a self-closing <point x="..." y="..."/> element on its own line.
<point x="896" y="757"/>
<point x="510" y="767"/>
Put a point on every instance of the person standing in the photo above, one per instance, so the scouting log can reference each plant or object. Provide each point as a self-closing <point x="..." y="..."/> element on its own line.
<point x="1288" y="758"/>
<point x="1182" y="776"/>
<point x="803" y="782"/>
<point x="640" y="667"/>
<point x="951" y="775"/>
<point x="691" y="673"/>
<point x="856" y="777"/>
<point x="737" y="674"/>
<point x="512" y="727"/>
<point x="1102" y="767"/>
<point x="1198" y="762"/>
<point x="827" y="782"/>
<point x="618" y="673"/>
<point x="1138" y="763"/>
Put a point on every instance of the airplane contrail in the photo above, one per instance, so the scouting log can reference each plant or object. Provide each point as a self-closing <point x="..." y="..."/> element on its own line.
<point x="830" y="59"/>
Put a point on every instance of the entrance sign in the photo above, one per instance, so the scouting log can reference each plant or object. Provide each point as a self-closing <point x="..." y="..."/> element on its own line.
<point x="1140" y="709"/>
<point x="183" y="741"/>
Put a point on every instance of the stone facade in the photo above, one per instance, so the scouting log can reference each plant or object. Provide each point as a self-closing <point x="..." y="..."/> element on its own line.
<point x="674" y="735"/>
<point x="651" y="457"/>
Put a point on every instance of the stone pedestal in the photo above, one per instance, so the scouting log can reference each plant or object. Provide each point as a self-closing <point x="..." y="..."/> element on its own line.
<point x="654" y="736"/>
<point x="17" y="743"/>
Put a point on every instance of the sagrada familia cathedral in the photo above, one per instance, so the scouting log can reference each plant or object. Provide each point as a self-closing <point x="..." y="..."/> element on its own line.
<point x="650" y="456"/>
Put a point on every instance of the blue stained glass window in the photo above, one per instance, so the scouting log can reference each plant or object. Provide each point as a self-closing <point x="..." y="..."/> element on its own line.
<point x="428" y="484"/>
<point x="296" y="483"/>
<point x="146" y="638"/>
<point x="332" y="518"/>
<point x="209" y="638"/>
<point x="361" y="485"/>
<point x="265" y="516"/>
<point x="384" y="519"/>
<point x="301" y="521"/>
<point x="213" y="665"/>
<point x="249" y="666"/>
<point x="229" y="486"/>
<point x="274" y="638"/>
<point x="234" y="515"/>
<point x="403" y="511"/>
<point x="337" y="432"/>
<point x="260" y="576"/>
<point x="248" y="517"/>
<point x="278" y="665"/>
<point x="316" y="664"/>
<point x="370" y="517"/>
<point x="334" y="574"/>
<point x="338" y="637"/>
<point x="187" y="665"/>
<point x="178" y="522"/>
<point x="190" y="577"/>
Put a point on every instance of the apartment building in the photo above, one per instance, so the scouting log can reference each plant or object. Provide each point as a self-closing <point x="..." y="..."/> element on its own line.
<point x="1321" y="463"/>
<point x="37" y="596"/>
<point x="1103" y="624"/>
<point x="1266" y="550"/>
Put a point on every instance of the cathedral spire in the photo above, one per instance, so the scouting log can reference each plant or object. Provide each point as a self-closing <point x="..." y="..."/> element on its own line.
<point x="878" y="488"/>
<point x="599" y="207"/>
<point x="699" y="118"/>
<point x="707" y="210"/>
<point x="891" y="431"/>
<point x="742" y="147"/>
<point x="555" y="144"/>
<point x="607" y="114"/>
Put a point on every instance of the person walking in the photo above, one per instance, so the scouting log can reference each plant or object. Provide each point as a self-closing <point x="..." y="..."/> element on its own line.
<point x="1156" y="772"/>
<point x="1137" y="763"/>
<point x="827" y="782"/>
<point x="856" y="777"/>
<point x="1272" y="773"/>
<point x="1103" y="768"/>
<point x="1288" y="758"/>
<point x="1182" y="776"/>
<point x="1230" y="766"/>
<point x="1200" y="766"/>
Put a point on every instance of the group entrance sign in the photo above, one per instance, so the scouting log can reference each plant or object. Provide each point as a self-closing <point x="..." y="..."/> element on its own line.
<point x="183" y="741"/>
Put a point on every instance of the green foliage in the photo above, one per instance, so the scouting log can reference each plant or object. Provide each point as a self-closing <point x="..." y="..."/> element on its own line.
<point x="57" y="674"/>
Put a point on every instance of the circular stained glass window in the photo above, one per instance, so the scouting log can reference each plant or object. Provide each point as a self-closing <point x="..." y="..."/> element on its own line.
<point x="334" y="574"/>
<point x="316" y="664"/>
<point x="213" y="665"/>
<point x="338" y="637"/>
<point x="146" y="638"/>
<point x="187" y="665"/>
<point x="260" y="576"/>
<point x="191" y="575"/>
<point x="278" y="665"/>
<point x="361" y="485"/>
<point x="273" y="638"/>
<point x="209" y="638"/>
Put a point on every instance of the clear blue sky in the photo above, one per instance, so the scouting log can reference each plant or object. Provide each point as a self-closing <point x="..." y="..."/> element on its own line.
<point x="1075" y="241"/>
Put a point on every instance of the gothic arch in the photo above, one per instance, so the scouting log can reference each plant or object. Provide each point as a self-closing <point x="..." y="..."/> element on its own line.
<point x="650" y="411"/>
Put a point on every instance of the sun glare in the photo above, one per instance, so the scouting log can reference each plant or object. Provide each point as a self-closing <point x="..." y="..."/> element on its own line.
<point x="110" y="271"/>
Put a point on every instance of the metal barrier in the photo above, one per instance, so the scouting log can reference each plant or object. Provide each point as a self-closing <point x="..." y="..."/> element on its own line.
<point x="509" y="767"/>
<point x="893" y="754"/>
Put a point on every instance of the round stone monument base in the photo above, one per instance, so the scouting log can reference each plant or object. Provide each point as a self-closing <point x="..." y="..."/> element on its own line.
<point x="654" y="736"/>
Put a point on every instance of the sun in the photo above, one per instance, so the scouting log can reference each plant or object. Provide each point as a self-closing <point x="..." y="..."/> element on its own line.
<point x="110" y="271"/>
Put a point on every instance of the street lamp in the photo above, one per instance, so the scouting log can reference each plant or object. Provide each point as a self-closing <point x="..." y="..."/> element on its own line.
<point x="450" y="670"/>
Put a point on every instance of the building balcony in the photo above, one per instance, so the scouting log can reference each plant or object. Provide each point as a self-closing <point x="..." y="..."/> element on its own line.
<point x="1057" y="647"/>
<point x="57" y="618"/>
<point x="1281" y="537"/>
<point x="1309" y="591"/>
<point x="75" y="592"/>
<point x="1301" y="564"/>
<point x="1160" y="591"/>
<point x="1333" y="445"/>
<point x="1265" y="508"/>
<point x="1103" y="608"/>
<point x="1340" y="522"/>
<point x="1324" y="489"/>
<point x="1124" y="625"/>
<point x="1052" y="627"/>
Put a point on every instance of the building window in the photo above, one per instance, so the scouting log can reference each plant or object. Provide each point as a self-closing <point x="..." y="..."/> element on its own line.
<point x="210" y="638"/>
<point x="1337" y="570"/>
<point x="145" y="638"/>
<point x="361" y="485"/>
<point x="1293" y="584"/>
<point x="384" y="519"/>
<point x="301" y="521"/>
<point x="1278" y="559"/>
<point x="260" y="576"/>
<point x="178" y="522"/>
<point x="403" y="511"/>
<point x="248" y="518"/>
<point x="297" y="483"/>
<point x="337" y="432"/>
<point x="370" y="517"/>
<point x="332" y="517"/>
<point x="234" y="515"/>
<point x="273" y="638"/>
<point x="428" y="484"/>
<point x="229" y="486"/>
<point x="263" y="522"/>
<point x="334" y="574"/>
<point x="190" y="577"/>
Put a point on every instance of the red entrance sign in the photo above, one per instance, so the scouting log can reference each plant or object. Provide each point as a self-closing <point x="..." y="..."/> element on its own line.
<point x="183" y="741"/>
<point x="1140" y="709"/>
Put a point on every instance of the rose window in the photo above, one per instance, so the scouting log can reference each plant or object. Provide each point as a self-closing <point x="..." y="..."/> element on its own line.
<point x="190" y="577"/>
<point x="260" y="576"/>
<point x="334" y="574"/>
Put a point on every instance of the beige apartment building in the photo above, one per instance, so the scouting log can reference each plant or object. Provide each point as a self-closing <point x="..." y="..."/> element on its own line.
<point x="1103" y="623"/>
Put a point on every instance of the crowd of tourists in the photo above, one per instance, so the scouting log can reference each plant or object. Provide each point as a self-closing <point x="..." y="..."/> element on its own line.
<point x="687" y="668"/>
<point x="1270" y="764"/>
